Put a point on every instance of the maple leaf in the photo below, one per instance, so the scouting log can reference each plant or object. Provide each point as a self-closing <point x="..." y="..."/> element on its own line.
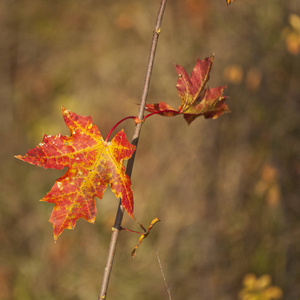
<point x="196" y="99"/>
<point x="92" y="164"/>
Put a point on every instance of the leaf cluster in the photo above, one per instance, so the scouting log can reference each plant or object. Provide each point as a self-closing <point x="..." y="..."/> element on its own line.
<point x="93" y="163"/>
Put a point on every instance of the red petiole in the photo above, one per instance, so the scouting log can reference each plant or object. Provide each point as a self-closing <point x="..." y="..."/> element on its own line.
<point x="137" y="120"/>
<point x="161" y="112"/>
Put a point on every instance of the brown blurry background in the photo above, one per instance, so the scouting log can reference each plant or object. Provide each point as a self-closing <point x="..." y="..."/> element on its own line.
<point x="226" y="190"/>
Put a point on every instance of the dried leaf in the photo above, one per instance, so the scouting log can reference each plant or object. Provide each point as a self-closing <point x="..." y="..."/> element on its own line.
<point x="143" y="236"/>
<point x="196" y="99"/>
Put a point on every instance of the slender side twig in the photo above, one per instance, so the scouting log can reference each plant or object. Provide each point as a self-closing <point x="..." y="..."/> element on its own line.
<point x="164" y="277"/>
<point x="135" y="138"/>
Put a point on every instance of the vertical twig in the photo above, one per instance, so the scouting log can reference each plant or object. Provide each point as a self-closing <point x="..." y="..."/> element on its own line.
<point x="135" y="138"/>
<point x="164" y="277"/>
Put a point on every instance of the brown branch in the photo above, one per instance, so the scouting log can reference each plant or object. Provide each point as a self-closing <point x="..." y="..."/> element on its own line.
<point x="135" y="138"/>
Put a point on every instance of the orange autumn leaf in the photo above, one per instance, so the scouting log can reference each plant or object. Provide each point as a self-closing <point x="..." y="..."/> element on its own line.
<point x="229" y="1"/>
<point x="196" y="99"/>
<point x="92" y="164"/>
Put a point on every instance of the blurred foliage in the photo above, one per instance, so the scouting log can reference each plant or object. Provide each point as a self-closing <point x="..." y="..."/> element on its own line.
<point x="292" y="34"/>
<point x="259" y="288"/>
<point x="227" y="190"/>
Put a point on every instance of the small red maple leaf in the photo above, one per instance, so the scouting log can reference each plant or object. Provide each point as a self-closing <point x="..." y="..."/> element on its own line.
<point x="92" y="164"/>
<point x="196" y="99"/>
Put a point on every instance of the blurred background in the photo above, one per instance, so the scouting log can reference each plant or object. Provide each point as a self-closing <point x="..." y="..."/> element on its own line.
<point x="226" y="190"/>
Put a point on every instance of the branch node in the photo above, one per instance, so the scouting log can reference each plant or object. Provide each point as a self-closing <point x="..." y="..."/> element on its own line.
<point x="137" y="120"/>
<point x="157" y="30"/>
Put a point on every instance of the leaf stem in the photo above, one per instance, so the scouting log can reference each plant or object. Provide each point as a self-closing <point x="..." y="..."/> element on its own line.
<point x="135" y="138"/>
<point x="161" y="112"/>
<point x="111" y="131"/>
<point x="133" y="231"/>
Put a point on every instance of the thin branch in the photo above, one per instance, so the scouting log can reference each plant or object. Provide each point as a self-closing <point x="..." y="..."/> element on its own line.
<point x="135" y="138"/>
<point x="163" y="275"/>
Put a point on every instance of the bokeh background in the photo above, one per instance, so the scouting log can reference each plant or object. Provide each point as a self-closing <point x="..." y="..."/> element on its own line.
<point x="226" y="190"/>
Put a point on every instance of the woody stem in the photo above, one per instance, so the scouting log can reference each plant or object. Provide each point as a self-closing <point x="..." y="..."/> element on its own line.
<point x="135" y="138"/>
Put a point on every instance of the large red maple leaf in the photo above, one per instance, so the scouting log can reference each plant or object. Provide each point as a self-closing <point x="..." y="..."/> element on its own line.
<point x="92" y="164"/>
<point x="196" y="98"/>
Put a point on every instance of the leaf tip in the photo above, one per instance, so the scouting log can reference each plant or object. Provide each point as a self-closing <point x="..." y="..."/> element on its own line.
<point x="229" y="2"/>
<point x="211" y="58"/>
<point x="55" y="237"/>
<point x="64" y="111"/>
